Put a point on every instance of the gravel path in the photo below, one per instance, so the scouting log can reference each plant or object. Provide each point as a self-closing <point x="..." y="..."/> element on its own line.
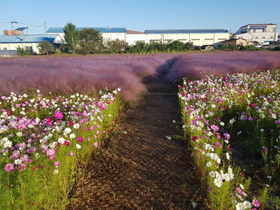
<point x="141" y="169"/>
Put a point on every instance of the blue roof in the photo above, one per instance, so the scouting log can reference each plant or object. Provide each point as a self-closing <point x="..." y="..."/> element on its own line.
<point x="30" y="38"/>
<point x="186" y="31"/>
<point x="100" y="29"/>
<point x="21" y="28"/>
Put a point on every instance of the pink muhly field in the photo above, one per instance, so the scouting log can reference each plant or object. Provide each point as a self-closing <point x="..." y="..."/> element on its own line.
<point x="89" y="74"/>
<point x="83" y="74"/>
<point x="197" y="65"/>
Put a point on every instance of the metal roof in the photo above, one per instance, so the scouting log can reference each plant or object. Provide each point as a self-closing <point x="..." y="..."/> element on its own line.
<point x="100" y="29"/>
<point x="186" y="31"/>
<point x="30" y="38"/>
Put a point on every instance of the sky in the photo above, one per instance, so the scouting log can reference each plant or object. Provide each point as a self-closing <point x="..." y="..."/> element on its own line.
<point x="138" y="15"/>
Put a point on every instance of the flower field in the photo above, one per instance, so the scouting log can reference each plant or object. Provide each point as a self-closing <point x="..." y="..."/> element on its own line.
<point x="234" y="126"/>
<point x="57" y="110"/>
<point x="44" y="139"/>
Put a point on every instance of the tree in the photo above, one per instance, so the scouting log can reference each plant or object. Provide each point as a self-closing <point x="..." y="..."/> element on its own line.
<point x="45" y="47"/>
<point x="24" y="51"/>
<point x="71" y="37"/>
<point x="116" y="46"/>
<point x="176" y="46"/>
<point x="188" y="46"/>
<point x="90" y="41"/>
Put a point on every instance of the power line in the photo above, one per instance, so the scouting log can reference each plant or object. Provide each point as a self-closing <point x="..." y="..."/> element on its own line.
<point x="31" y="25"/>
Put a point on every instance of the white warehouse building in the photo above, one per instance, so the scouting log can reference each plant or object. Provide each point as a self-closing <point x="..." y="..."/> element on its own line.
<point x="198" y="37"/>
<point x="108" y="33"/>
<point x="261" y="33"/>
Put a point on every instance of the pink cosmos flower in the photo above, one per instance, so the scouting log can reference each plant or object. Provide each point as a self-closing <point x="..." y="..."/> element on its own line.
<point x="57" y="163"/>
<point x="9" y="167"/>
<point x="227" y="136"/>
<point x="194" y="138"/>
<point x="67" y="143"/>
<point x="96" y="144"/>
<point x="215" y="128"/>
<point x="80" y="139"/>
<point x="50" y="152"/>
<point x="21" y="167"/>
<point x="239" y="190"/>
<point x="256" y="203"/>
<point x="70" y="154"/>
<point x="58" y="115"/>
<point x="51" y="157"/>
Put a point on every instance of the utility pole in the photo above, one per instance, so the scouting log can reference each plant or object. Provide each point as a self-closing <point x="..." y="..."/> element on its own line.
<point x="12" y="22"/>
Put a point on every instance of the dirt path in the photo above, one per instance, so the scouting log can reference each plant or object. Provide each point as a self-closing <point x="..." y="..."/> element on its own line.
<point x="141" y="168"/>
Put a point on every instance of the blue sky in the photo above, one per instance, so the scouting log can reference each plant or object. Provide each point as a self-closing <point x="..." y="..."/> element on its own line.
<point x="138" y="14"/>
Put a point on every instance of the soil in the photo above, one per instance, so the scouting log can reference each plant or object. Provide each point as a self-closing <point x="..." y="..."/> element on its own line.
<point x="140" y="167"/>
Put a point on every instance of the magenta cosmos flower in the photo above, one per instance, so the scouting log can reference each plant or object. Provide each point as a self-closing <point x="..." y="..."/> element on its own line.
<point x="9" y="167"/>
<point x="58" y="115"/>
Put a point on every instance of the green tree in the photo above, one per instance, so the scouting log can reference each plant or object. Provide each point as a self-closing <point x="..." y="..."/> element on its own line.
<point x="176" y="46"/>
<point x="116" y="46"/>
<point x="24" y="51"/>
<point x="45" y="47"/>
<point x="90" y="41"/>
<point x="189" y="46"/>
<point x="71" y="37"/>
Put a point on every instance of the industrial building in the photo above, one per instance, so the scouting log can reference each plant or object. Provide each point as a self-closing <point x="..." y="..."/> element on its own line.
<point x="198" y="37"/>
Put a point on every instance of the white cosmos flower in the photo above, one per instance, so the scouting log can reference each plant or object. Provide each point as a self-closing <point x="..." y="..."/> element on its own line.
<point x="208" y="164"/>
<point x="67" y="130"/>
<point x="78" y="146"/>
<point x="55" y="171"/>
<point x="72" y="136"/>
<point x="61" y="140"/>
<point x="76" y="126"/>
<point x="247" y="205"/>
<point x="18" y="161"/>
<point x="212" y="174"/>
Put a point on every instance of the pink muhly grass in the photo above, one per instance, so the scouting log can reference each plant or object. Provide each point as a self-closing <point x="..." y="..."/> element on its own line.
<point x="197" y="65"/>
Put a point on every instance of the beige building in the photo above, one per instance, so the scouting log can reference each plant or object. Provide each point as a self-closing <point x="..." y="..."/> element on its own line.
<point x="233" y="42"/>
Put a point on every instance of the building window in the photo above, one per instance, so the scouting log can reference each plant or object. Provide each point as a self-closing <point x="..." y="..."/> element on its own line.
<point x="154" y="40"/>
<point x="195" y="39"/>
<point x="221" y="39"/>
<point x="5" y="48"/>
<point x="263" y="37"/>
<point x="209" y="39"/>
<point x="168" y="40"/>
<point x="182" y="40"/>
<point x="271" y="37"/>
<point x="256" y="37"/>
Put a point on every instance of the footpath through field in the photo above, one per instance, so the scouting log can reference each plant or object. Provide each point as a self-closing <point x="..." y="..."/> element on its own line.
<point x="142" y="168"/>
